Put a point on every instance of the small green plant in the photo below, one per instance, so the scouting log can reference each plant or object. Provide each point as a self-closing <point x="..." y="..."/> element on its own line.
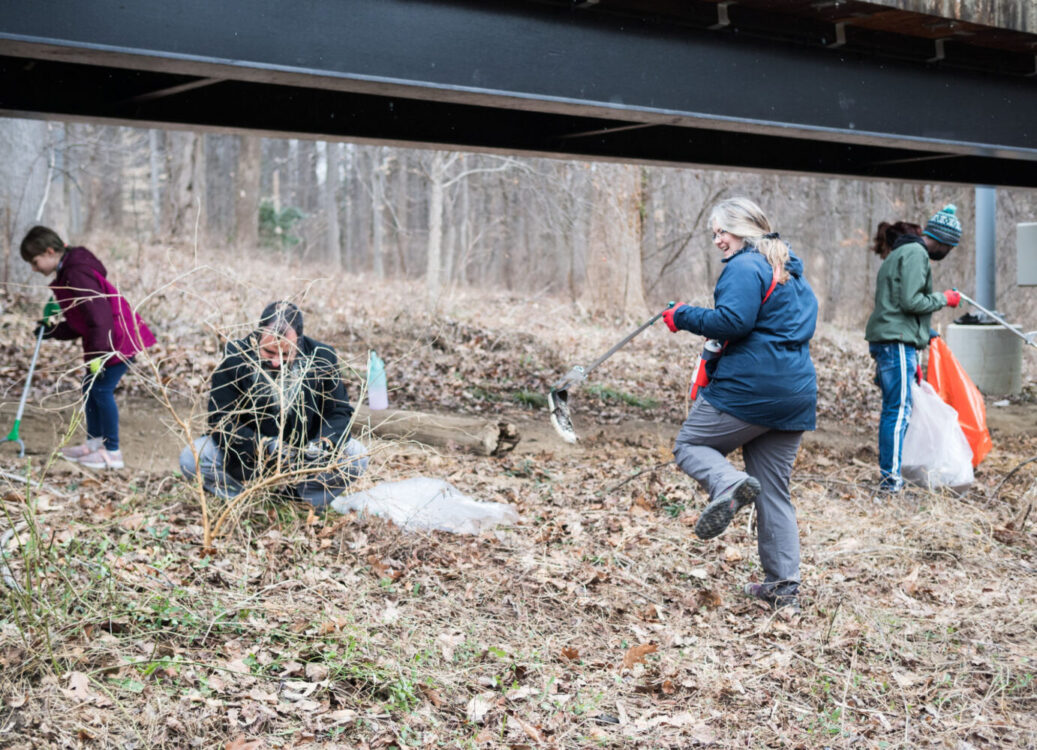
<point x="482" y="394"/>
<point x="403" y="694"/>
<point x="605" y="393"/>
<point x="275" y="227"/>
<point x="530" y="399"/>
<point x="673" y="509"/>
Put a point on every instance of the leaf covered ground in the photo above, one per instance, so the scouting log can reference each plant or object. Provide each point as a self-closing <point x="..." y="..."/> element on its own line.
<point x="599" y="620"/>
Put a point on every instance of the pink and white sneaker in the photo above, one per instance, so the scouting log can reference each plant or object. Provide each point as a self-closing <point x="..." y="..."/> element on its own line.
<point x="102" y="459"/>
<point x="75" y="452"/>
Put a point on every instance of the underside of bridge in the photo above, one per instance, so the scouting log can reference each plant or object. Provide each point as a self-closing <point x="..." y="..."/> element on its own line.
<point x="836" y="87"/>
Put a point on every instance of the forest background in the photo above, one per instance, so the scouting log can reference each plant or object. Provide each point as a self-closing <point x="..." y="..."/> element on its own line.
<point x="616" y="240"/>
<point x="598" y="620"/>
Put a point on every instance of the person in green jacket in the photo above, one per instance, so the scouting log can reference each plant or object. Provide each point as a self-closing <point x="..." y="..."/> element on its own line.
<point x="899" y="325"/>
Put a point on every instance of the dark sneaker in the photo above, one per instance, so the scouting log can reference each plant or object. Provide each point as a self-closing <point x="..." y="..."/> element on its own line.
<point x="788" y="602"/>
<point x="718" y="514"/>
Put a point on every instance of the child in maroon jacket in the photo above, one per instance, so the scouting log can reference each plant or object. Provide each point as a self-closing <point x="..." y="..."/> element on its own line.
<point x="111" y="331"/>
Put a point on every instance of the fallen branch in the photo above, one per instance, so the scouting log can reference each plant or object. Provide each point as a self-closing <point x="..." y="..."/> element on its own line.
<point x="632" y="477"/>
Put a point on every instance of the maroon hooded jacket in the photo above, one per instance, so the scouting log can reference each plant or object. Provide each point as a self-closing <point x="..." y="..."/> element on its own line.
<point x="94" y="310"/>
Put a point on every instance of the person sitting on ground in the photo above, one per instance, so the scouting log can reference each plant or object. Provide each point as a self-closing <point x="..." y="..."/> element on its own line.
<point x="278" y="412"/>
<point x="111" y="331"/>
<point x="899" y="325"/>
<point x="761" y="395"/>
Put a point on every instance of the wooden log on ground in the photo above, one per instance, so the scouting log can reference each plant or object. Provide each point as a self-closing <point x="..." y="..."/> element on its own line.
<point x="486" y="437"/>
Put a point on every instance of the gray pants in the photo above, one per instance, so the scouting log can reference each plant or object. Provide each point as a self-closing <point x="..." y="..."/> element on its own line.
<point x="706" y="437"/>
<point x="318" y="490"/>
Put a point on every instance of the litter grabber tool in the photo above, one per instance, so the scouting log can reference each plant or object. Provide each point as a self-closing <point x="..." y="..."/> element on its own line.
<point x="13" y="436"/>
<point x="1030" y="338"/>
<point x="558" y="397"/>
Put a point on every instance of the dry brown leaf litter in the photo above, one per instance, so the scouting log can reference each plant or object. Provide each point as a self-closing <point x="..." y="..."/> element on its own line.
<point x="599" y="621"/>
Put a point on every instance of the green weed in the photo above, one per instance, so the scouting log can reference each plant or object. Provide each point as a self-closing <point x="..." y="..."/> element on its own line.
<point x="530" y="399"/>
<point x="605" y="393"/>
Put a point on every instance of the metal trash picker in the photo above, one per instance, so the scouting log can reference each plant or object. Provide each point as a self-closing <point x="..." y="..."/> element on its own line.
<point x="13" y="436"/>
<point x="1030" y="338"/>
<point x="558" y="397"/>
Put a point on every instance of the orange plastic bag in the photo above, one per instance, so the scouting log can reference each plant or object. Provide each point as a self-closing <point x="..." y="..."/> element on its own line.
<point x="949" y="379"/>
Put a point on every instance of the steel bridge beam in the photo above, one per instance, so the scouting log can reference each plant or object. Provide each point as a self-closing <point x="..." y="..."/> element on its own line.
<point x="516" y="76"/>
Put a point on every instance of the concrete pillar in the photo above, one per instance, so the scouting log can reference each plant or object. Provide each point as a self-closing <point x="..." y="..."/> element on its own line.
<point x="986" y="249"/>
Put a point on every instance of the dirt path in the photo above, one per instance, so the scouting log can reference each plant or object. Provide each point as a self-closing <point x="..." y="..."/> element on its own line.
<point x="151" y="441"/>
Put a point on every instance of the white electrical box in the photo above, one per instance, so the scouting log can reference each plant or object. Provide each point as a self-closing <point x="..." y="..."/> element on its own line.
<point x="1026" y="249"/>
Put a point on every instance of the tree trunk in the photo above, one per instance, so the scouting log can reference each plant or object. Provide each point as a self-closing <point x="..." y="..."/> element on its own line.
<point x="470" y="434"/>
<point x="112" y="180"/>
<point x="378" y="167"/>
<point x="221" y="166"/>
<point x="464" y="240"/>
<point x="349" y="209"/>
<point x="402" y="211"/>
<point x="614" y="285"/>
<point x="186" y="192"/>
<point x="307" y="196"/>
<point x="155" y="170"/>
<point x="434" y="261"/>
<point x="449" y="249"/>
<point x="333" y="234"/>
<point x="246" y="196"/>
<point x="73" y="197"/>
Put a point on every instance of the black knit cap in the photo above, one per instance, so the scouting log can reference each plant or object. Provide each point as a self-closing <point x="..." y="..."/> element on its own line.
<point x="280" y="316"/>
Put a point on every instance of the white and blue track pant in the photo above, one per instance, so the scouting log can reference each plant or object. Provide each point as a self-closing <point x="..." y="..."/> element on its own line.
<point x="895" y="366"/>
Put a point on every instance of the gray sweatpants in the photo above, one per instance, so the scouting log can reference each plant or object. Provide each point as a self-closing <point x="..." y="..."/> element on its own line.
<point x="706" y="438"/>
<point x="318" y="490"/>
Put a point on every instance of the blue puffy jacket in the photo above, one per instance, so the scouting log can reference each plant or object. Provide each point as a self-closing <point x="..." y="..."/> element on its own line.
<point x="765" y="376"/>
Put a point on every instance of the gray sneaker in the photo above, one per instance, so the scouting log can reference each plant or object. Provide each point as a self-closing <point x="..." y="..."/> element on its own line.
<point x="718" y="514"/>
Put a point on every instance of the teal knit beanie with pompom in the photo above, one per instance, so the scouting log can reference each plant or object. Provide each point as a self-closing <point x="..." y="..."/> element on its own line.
<point x="945" y="226"/>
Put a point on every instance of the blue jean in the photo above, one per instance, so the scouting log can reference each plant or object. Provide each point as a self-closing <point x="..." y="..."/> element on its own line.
<point x="317" y="489"/>
<point x="102" y="414"/>
<point x="895" y="366"/>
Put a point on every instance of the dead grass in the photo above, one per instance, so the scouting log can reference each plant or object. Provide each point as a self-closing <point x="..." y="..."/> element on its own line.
<point x="598" y="621"/>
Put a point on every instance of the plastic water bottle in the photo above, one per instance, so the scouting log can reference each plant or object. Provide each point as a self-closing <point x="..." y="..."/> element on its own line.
<point x="711" y="350"/>
<point x="377" y="390"/>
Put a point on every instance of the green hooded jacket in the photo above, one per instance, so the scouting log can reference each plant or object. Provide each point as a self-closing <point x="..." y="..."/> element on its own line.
<point x="904" y="299"/>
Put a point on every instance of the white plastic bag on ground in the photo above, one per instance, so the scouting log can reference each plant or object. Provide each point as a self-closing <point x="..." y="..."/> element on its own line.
<point x="936" y="452"/>
<point x="424" y="504"/>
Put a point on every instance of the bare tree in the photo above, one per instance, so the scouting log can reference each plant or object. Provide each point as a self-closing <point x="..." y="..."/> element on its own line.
<point x="185" y="204"/>
<point x="401" y="210"/>
<point x="246" y="194"/>
<point x="614" y="285"/>
<point x="155" y="180"/>
<point x="379" y="167"/>
<point x="438" y="166"/>
<point x="332" y="180"/>
<point x="437" y="172"/>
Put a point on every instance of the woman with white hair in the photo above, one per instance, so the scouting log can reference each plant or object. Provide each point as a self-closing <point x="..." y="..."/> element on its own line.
<point x="761" y="393"/>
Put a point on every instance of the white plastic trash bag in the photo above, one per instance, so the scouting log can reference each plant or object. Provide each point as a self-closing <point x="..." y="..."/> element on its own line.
<point x="936" y="452"/>
<point x="424" y="504"/>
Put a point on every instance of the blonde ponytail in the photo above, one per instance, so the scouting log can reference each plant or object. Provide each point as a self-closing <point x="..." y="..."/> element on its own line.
<point x="743" y="218"/>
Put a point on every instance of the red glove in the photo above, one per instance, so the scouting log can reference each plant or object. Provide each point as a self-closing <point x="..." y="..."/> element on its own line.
<point x="668" y="316"/>
<point x="953" y="297"/>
